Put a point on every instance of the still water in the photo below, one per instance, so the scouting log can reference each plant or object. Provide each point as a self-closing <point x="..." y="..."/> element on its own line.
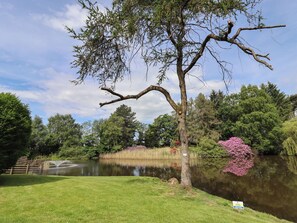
<point x="267" y="184"/>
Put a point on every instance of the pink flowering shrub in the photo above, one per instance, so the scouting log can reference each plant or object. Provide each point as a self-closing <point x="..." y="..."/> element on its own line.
<point x="235" y="147"/>
<point x="239" y="166"/>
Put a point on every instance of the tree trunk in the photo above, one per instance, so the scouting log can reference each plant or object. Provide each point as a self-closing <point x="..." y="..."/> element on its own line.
<point x="182" y="127"/>
<point x="185" y="155"/>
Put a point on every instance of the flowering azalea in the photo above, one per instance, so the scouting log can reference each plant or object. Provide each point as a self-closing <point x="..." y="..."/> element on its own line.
<point x="236" y="147"/>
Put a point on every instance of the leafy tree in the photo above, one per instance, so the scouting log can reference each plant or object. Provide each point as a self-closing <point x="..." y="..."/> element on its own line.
<point x="63" y="132"/>
<point x="15" y="129"/>
<point x="290" y="131"/>
<point x="201" y="119"/>
<point x="280" y="99"/>
<point x="162" y="131"/>
<point x="170" y="34"/>
<point x="141" y="130"/>
<point x="91" y="133"/>
<point x="252" y="116"/>
<point x="111" y="134"/>
<point x="38" y="138"/>
<point x="128" y="128"/>
<point x="228" y="113"/>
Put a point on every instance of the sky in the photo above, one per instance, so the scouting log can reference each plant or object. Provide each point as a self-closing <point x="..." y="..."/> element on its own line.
<point x="36" y="54"/>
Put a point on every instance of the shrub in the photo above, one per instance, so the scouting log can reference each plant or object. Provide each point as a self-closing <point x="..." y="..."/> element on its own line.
<point x="78" y="152"/>
<point x="235" y="147"/>
<point x="209" y="148"/>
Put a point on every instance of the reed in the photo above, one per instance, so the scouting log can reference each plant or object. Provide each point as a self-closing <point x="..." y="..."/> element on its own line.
<point x="166" y="153"/>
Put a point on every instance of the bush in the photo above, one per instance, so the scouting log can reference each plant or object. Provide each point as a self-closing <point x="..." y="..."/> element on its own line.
<point x="15" y="129"/>
<point x="78" y="152"/>
<point x="235" y="147"/>
<point x="209" y="148"/>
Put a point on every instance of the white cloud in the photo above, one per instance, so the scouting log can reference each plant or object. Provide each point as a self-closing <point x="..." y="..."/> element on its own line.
<point x="73" y="16"/>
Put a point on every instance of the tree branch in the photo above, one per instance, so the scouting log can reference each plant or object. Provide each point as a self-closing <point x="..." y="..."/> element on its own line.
<point x="140" y="94"/>
<point x="255" y="28"/>
<point x="224" y="38"/>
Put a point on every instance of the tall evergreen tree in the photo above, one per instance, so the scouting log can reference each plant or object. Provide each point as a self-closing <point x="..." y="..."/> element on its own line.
<point x="280" y="99"/>
<point x="129" y="126"/>
<point x="202" y="121"/>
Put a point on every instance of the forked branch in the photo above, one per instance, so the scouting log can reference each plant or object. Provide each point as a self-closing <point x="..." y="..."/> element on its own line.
<point x="140" y="94"/>
<point x="224" y="37"/>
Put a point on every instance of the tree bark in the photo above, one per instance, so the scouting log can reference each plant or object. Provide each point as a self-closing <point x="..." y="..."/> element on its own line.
<point x="185" y="155"/>
<point x="182" y="126"/>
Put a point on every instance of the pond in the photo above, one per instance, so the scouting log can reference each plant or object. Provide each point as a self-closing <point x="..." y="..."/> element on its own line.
<point x="267" y="184"/>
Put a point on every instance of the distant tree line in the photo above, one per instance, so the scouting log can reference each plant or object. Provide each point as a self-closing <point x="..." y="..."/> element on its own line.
<point x="262" y="116"/>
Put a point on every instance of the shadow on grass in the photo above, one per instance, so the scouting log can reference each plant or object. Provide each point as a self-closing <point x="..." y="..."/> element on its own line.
<point x="26" y="180"/>
<point x="143" y="180"/>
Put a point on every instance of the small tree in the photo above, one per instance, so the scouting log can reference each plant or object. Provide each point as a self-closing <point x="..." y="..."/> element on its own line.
<point x="170" y="34"/>
<point x="15" y="129"/>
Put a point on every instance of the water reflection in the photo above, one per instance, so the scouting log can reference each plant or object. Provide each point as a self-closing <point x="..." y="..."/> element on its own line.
<point x="266" y="184"/>
<point x="239" y="166"/>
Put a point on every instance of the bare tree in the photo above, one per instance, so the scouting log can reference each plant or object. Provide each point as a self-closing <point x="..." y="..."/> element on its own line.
<point x="167" y="34"/>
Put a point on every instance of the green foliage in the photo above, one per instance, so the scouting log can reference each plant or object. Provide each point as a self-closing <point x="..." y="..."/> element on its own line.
<point x="15" y="129"/>
<point x="290" y="131"/>
<point x="280" y="99"/>
<point x="293" y="100"/>
<point x="201" y="120"/>
<point x="91" y="133"/>
<point x="161" y="132"/>
<point x="129" y="126"/>
<point x="38" y="138"/>
<point x="77" y="152"/>
<point x="63" y="131"/>
<point x="118" y="131"/>
<point x="252" y="116"/>
<point x="209" y="148"/>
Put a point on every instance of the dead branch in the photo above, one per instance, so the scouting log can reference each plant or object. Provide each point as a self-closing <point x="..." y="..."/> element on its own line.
<point x="256" y="28"/>
<point x="233" y="40"/>
<point x="140" y="94"/>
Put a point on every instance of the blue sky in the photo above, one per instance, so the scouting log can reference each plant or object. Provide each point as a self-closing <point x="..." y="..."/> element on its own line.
<point x="36" y="52"/>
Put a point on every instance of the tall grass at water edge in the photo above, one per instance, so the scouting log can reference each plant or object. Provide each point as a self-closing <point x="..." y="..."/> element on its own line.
<point x="159" y="153"/>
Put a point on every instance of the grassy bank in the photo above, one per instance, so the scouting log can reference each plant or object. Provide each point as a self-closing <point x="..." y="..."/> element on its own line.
<point x="112" y="199"/>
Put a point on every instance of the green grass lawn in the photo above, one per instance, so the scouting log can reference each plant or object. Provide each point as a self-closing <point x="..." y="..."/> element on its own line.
<point x="112" y="199"/>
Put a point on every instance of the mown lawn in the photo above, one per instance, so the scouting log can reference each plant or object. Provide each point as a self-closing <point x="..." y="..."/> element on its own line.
<point x="112" y="199"/>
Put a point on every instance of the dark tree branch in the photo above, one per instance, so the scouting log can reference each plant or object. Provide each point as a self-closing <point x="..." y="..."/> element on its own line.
<point x="140" y="94"/>
<point x="256" y="28"/>
<point x="200" y="53"/>
<point x="224" y="38"/>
